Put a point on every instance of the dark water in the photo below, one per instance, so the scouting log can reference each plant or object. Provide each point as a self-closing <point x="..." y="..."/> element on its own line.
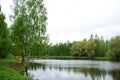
<point x="74" y="70"/>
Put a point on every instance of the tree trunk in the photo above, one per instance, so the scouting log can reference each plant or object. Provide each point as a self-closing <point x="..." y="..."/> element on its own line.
<point x="23" y="57"/>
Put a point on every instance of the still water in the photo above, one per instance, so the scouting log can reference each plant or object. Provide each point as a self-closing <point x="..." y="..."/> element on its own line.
<point x="73" y="70"/>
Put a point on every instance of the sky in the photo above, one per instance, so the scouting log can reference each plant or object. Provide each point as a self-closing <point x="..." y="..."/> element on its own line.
<point x="74" y="20"/>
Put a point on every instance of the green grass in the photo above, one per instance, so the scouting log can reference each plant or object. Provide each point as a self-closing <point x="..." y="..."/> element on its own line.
<point x="80" y="58"/>
<point x="56" y="57"/>
<point x="11" y="70"/>
<point x="63" y="57"/>
<point x="10" y="74"/>
<point x="107" y="58"/>
<point x="6" y="60"/>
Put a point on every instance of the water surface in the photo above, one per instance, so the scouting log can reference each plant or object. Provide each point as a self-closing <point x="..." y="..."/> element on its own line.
<point x="74" y="70"/>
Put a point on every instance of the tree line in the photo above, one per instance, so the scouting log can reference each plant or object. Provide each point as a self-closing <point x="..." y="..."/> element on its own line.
<point x="95" y="46"/>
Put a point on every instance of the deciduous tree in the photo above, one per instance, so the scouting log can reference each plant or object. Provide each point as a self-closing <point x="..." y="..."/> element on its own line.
<point x="29" y="24"/>
<point x="114" y="47"/>
<point x="4" y="37"/>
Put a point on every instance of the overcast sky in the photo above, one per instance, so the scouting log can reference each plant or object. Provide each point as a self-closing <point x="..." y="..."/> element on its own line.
<point x="74" y="20"/>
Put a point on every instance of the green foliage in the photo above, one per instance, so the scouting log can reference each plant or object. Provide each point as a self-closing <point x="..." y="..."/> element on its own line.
<point x="38" y="49"/>
<point x="79" y="48"/>
<point x="29" y="25"/>
<point x="83" y="48"/>
<point x="114" y="47"/>
<point x="15" y="49"/>
<point x="101" y="46"/>
<point x="61" y="49"/>
<point x="10" y="56"/>
<point x="90" y="48"/>
<point x="4" y="37"/>
<point x="94" y="47"/>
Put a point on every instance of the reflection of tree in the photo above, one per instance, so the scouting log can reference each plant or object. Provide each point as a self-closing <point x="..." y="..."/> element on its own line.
<point x="35" y="66"/>
<point x="94" y="73"/>
<point x="97" y="74"/>
<point x="115" y="74"/>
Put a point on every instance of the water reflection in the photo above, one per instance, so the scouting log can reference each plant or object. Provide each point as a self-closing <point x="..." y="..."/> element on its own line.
<point x="63" y="70"/>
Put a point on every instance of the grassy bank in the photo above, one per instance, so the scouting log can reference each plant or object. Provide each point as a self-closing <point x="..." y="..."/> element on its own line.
<point x="56" y="57"/>
<point x="80" y="58"/>
<point x="107" y="59"/>
<point x="10" y="70"/>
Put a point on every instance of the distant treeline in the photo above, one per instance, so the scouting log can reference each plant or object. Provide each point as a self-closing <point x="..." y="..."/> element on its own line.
<point x="77" y="48"/>
<point x="95" y="46"/>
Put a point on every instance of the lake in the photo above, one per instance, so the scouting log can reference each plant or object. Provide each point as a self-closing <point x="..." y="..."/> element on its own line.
<point x="52" y="69"/>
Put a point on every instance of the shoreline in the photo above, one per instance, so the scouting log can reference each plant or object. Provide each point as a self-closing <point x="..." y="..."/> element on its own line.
<point x="11" y="70"/>
<point x="78" y="58"/>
